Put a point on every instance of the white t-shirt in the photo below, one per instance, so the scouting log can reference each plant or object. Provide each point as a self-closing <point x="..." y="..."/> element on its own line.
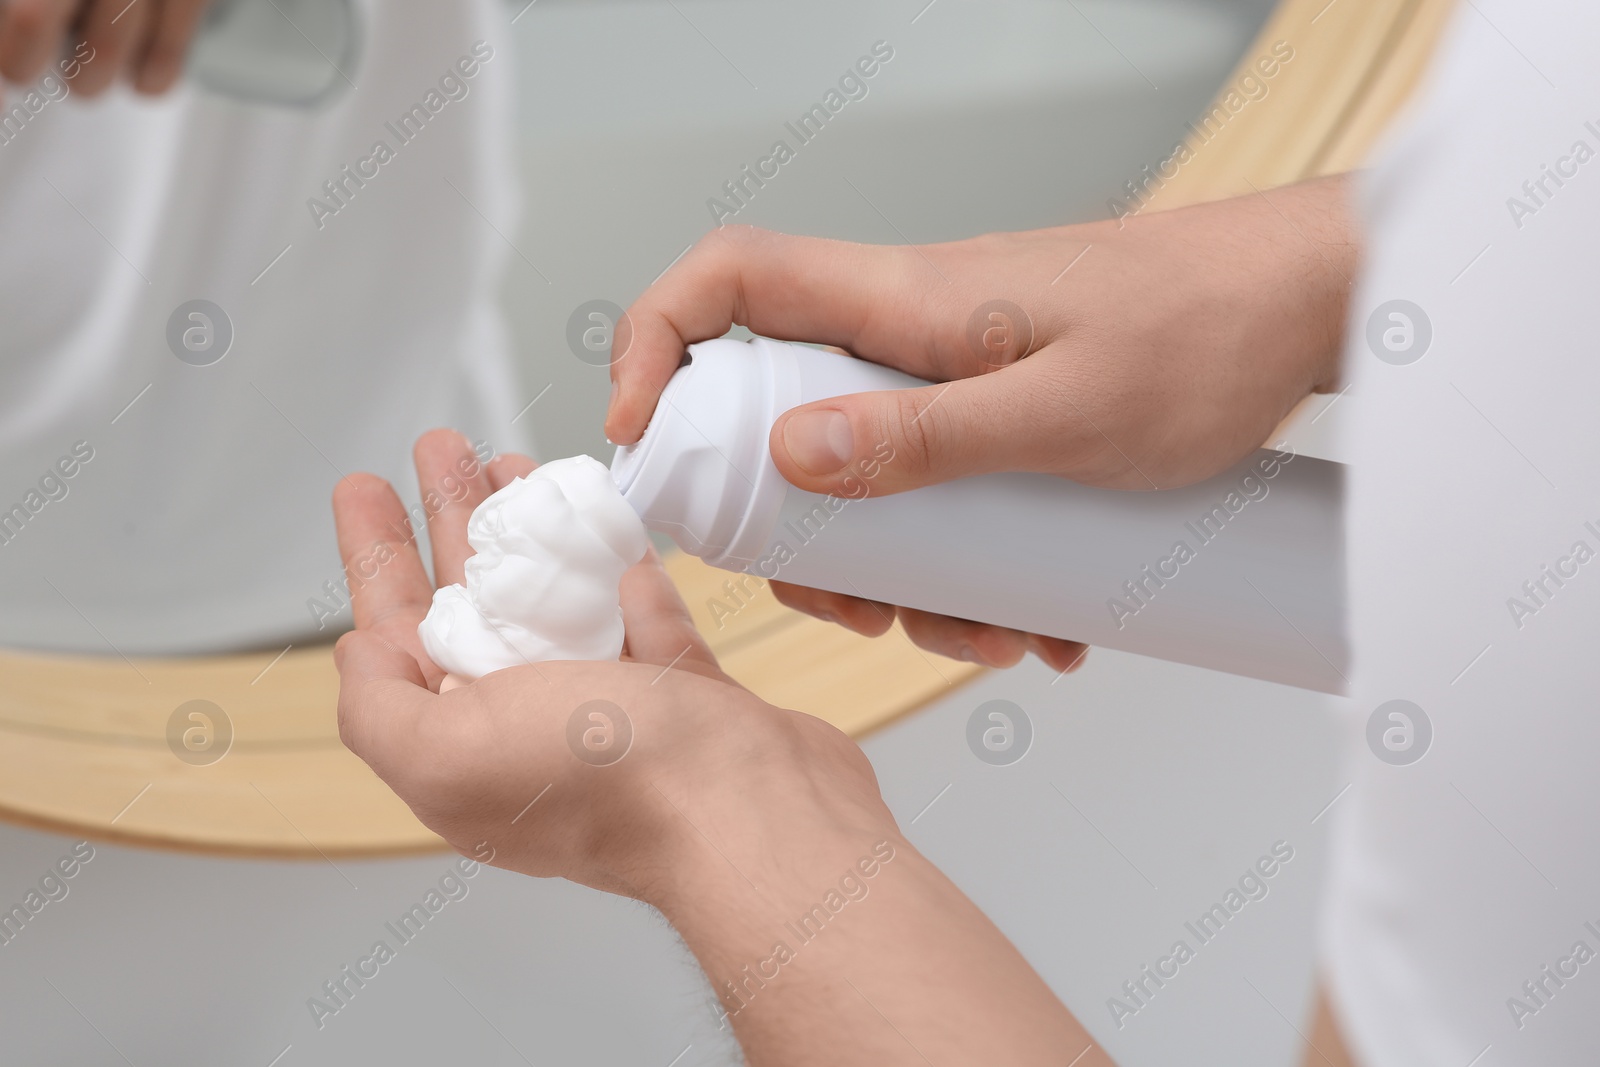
<point x="1474" y="539"/>
<point x="201" y="520"/>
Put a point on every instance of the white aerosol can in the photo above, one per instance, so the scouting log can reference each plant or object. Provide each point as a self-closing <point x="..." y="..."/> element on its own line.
<point x="1241" y="573"/>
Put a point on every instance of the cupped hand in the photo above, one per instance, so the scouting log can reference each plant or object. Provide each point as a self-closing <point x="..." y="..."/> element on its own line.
<point x="1146" y="353"/>
<point x="609" y="774"/>
<point x="90" y="42"/>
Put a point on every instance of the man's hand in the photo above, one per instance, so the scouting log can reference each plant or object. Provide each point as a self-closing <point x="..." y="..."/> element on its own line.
<point x="747" y="826"/>
<point x="470" y="761"/>
<point x="146" y="39"/>
<point x="1147" y="353"/>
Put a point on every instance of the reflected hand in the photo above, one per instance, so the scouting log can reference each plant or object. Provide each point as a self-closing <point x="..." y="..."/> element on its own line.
<point x="90" y="42"/>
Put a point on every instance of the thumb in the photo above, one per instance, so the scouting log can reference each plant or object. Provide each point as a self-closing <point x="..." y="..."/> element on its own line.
<point x="902" y="439"/>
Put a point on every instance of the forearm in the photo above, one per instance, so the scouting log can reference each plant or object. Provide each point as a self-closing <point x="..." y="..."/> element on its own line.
<point x="833" y="942"/>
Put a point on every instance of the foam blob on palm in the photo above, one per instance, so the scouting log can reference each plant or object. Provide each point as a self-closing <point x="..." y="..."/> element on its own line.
<point x="551" y="550"/>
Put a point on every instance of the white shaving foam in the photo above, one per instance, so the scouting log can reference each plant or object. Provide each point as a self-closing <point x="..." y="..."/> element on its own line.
<point x="551" y="551"/>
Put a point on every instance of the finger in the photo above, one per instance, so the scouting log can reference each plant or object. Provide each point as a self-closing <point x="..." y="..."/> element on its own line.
<point x="875" y="300"/>
<point x="1062" y="656"/>
<point x="453" y="483"/>
<point x="381" y="693"/>
<point x="30" y="36"/>
<point x="901" y="439"/>
<point x="656" y="621"/>
<point x="167" y="45"/>
<point x="852" y="612"/>
<point x="113" y="29"/>
<point x="503" y="470"/>
<point x="974" y="642"/>
<point x="388" y="586"/>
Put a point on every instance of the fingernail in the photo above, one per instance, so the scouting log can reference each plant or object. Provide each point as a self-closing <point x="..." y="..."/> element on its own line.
<point x="970" y="654"/>
<point x="819" y="442"/>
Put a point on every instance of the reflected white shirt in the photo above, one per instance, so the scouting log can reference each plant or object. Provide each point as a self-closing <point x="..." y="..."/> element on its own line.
<point x="202" y="520"/>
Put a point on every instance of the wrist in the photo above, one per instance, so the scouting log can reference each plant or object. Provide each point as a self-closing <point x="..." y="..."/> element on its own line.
<point x="749" y="912"/>
<point x="762" y="815"/>
<point x="1325" y="251"/>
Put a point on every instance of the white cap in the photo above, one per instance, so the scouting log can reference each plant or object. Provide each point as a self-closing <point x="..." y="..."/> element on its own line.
<point x="702" y="473"/>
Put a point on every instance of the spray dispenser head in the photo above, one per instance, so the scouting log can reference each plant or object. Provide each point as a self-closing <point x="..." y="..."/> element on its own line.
<point x="702" y="473"/>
